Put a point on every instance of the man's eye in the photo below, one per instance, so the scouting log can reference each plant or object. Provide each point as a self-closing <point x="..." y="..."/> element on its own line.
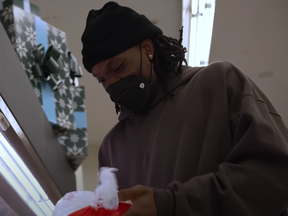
<point x="118" y="68"/>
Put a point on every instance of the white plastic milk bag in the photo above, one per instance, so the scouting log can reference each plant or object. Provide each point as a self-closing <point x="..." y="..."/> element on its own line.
<point x="102" y="202"/>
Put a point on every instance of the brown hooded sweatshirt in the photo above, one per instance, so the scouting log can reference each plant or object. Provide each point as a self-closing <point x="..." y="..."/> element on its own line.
<point x="215" y="148"/>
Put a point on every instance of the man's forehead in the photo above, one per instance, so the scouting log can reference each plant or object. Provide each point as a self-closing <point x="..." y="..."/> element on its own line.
<point x="101" y="67"/>
<point x="105" y="64"/>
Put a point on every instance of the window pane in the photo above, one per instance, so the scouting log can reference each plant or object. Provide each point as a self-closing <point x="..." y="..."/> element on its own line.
<point x="199" y="35"/>
<point x="194" y="6"/>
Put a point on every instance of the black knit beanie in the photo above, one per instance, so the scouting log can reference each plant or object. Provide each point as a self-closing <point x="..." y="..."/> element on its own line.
<point x="112" y="30"/>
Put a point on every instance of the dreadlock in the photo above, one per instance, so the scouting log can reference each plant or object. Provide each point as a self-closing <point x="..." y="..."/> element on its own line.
<point x="169" y="54"/>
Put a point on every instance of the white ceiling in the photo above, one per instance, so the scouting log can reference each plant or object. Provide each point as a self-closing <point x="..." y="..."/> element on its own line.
<point x="70" y="16"/>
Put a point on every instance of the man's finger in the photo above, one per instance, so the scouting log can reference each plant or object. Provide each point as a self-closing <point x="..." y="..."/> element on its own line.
<point x="130" y="194"/>
<point x="126" y="194"/>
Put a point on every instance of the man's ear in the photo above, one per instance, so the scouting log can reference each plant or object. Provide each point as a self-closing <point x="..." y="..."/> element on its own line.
<point x="147" y="47"/>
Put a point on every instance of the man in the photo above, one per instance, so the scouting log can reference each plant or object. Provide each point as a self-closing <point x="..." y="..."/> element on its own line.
<point x="199" y="141"/>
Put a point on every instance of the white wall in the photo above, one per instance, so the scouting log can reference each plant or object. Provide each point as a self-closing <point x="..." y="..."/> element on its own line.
<point x="79" y="178"/>
<point x="254" y="36"/>
<point x="90" y="169"/>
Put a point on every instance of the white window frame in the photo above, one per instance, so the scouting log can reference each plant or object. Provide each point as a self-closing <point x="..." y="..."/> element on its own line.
<point x="198" y="20"/>
<point x="17" y="174"/>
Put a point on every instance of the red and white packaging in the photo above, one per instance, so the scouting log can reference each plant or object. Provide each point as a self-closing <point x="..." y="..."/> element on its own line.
<point x="102" y="202"/>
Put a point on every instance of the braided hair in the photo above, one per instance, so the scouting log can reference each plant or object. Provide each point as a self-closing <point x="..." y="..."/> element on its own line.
<point x="169" y="54"/>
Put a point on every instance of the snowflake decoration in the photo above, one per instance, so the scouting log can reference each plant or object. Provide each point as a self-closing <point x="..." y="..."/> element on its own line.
<point x="55" y="32"/>
<point x="18" y="29"/>
<point x="74" y="151"/>
<point x="23" y="66"/>
<point x="62" y="103"/>
<point x="75" y="105"/>
<point x="21" y="48"/>
<point x="83" y="106"/>
<point x="85" y="140"/>
<point x="75" y="92"/>
<point x="71" y="106"/>
<point x="29" y="66"/>
<point x="62" y="140"/>
<point x="66" y="68"/>
<point x="71" y="90"/>
<point x="56" y="45"/>
<point x="30" y="73"/>
<point x="11" y="28"/>
<point x="37" y="92"/>
<point x="30" y="18"/>
<point x="59" y="77"/>
<point x="8" y="14"/>
<point x="12" y="39"/>
<point x="31" y="35"/>
<point x="63" y="120"/>
<point x="19" y="14"/>
<point x="74" y="138"/>
<point x="62" y="90"/>
<point x="63" y="37"/>
<point x="55" y="100"/>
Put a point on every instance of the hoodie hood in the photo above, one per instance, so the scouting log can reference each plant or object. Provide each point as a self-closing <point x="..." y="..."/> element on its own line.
<point x="174" y="81"/>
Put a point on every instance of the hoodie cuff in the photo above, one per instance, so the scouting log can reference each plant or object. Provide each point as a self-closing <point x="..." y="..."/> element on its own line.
<point x="164" y="200"/>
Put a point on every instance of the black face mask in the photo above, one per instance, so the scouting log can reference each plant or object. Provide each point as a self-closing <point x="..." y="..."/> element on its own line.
<point x="133" y="92"/>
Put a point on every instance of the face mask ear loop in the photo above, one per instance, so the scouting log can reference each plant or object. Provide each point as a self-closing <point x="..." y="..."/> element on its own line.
<point x="150" y="77"/>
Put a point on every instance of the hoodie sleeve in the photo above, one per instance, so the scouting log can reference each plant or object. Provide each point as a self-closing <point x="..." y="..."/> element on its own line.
<point x="253" y="180"/>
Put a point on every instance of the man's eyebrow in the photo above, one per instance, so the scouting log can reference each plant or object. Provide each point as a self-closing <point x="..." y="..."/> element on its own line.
<point x="108" y="64"/>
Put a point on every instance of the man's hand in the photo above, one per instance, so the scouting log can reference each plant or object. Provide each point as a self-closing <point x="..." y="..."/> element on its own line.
<point x="143" y="201"/>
